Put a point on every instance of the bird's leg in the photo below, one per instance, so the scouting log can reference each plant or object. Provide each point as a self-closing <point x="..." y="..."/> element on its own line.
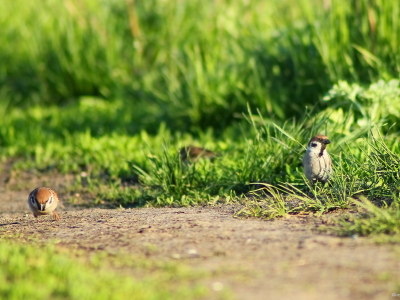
<point x="56" y="216"/>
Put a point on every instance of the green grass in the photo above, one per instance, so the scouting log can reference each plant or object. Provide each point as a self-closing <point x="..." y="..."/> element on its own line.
<point x="33" y="272"/>
<point x="370" y="168"/>
<point x="372" y="220"/>
<point x="194" y="64"/>
<point x="95" y="137"/>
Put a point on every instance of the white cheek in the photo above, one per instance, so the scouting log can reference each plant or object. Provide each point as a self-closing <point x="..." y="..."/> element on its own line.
<point x="316" y="149"/>
<point x="319" y="146"/>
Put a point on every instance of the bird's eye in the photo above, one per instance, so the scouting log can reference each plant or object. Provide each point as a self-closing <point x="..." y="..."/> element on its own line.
<point x="320" y="139"/>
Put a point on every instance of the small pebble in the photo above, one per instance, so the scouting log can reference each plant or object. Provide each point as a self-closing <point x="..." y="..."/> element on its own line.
<point x="217" y="286"/>
<point x="192" y="252"/>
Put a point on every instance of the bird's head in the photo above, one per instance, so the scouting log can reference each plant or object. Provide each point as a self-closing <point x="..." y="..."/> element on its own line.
<point x="193" y="153"/>
<point x="42" y="198"/>
<point x="318" y="144"/>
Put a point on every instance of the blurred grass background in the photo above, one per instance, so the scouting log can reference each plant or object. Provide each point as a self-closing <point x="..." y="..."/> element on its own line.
<point x="194" y="64"/>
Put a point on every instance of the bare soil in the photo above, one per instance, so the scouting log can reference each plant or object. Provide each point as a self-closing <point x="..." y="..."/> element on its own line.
<point x="256" y="259"/>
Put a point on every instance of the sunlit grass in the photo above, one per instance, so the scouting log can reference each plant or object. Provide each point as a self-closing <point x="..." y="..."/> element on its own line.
<point x="94" y="137"/>
<point x="194" y="64"/>
<point x="30" y="272"/>
<point x="371" y="220"/>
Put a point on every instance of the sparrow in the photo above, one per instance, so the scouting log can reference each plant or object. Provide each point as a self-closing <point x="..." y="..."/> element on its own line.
<point x="316" y="162"/>
<point x="192" y="153"/>
<point x="43" y="201"/>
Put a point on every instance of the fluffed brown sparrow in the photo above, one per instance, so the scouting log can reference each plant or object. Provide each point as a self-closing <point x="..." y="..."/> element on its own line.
<point x="43" y="201"/>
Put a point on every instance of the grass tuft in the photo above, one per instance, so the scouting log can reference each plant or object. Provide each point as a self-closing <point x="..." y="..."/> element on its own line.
<point x="372" y="220"/>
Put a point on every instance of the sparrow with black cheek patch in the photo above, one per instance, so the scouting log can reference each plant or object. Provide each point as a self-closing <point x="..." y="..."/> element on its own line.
<point x="316" y="162"/>
<point x="43" y="201"/>
<point x="192" y="153"/>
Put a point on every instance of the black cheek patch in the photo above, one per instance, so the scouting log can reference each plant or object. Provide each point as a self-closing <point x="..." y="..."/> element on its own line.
<point x="323" y="146"/>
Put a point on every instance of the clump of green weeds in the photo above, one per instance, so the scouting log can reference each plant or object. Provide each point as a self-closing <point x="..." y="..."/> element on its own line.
<point x="172" y="180"/>
<point x="372" y="220"/>
<point x="370" y="169"/>
<point x="266" y="202"/>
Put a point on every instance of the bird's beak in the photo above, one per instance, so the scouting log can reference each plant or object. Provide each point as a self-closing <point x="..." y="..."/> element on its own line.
<point x="42" y="207"/>
<point x="326" y="142"/>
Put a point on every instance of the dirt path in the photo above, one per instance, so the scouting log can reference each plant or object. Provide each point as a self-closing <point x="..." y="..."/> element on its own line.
<point x="257" y="259"/>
